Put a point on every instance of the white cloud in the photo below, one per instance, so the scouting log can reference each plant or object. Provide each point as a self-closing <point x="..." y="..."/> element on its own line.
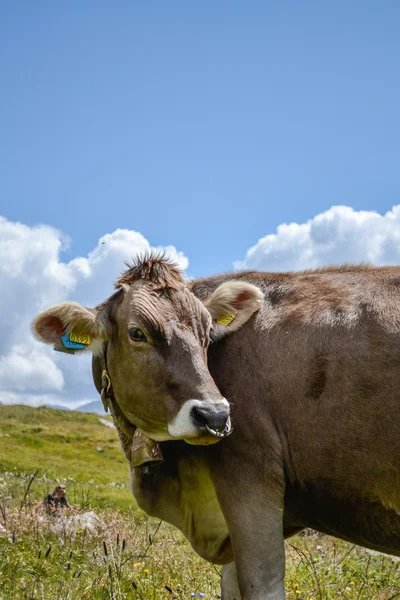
<point x="333" y="237"/>
<point x="36" y="370"/>
<point x="97" y="273"/>
<point x="33" y="276"/>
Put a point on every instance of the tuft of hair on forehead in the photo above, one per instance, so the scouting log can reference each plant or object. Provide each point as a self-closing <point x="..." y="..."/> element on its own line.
<point x="155" y="268"/>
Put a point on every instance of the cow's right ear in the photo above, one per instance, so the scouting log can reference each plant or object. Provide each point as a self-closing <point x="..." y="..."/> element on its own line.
<point x="88" y="324"/>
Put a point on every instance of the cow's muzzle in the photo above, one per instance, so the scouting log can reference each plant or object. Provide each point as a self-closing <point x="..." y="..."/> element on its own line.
<point x="227" y="430"/>
<point x="214" y="418"/>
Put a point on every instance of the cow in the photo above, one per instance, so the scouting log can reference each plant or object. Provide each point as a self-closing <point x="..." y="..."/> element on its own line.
<point x="268" y="403"/>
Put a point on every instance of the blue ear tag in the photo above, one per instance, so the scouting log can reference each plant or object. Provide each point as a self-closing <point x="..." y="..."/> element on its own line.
<point x="68" y="343"/>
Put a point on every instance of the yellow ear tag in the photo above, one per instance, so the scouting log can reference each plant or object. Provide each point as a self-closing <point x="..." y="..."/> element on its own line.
<point x="226" y="319"/>
<point x="79" y="338"/>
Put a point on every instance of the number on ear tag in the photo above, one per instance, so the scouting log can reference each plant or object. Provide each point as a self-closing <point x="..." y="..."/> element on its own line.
<point x="75" y="341"/>
<point x="79" y="338"/>
<point x="226" y="319"/>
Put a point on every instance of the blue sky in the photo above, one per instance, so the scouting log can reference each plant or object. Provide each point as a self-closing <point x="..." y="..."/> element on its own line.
<point x="202" y="125"/>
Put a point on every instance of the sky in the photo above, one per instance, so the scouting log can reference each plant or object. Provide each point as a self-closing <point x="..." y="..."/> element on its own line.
<point x="232" y="134"/>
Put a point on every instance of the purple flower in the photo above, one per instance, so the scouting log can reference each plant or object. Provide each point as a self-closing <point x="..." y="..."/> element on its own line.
<point x="201" y="595"/>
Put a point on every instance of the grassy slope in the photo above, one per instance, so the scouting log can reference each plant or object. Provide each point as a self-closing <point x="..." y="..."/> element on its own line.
<point x="65" y="446"/>
<point x="122" y="562"/>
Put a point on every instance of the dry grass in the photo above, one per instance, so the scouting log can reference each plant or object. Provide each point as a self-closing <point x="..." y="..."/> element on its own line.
<point x="131" y="557"/>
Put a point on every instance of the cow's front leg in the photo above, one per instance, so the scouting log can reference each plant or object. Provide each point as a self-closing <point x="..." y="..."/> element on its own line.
<point x="229" y="583"/>
<point x="252" y="503"/>
<point x="259" y="552"/>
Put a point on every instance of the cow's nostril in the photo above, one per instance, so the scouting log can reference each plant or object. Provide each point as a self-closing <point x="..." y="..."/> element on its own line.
<point x="214" y="419"/>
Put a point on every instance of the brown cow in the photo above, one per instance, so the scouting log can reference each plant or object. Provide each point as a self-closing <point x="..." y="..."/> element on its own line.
<point x="313" y="380"/>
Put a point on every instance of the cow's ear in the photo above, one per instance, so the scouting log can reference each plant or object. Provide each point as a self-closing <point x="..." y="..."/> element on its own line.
<point x="88" y="325"/>
<point x="231" y="305"/>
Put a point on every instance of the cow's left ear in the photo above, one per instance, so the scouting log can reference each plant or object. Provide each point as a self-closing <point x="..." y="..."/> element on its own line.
<point x="231" y="305"/>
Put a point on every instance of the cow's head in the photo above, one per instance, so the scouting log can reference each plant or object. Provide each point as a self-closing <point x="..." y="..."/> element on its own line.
<point x="157" y="333"/>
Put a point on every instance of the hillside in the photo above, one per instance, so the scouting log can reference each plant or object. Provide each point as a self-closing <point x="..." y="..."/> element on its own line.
<point x="69" y="446"/>
<point x="95" y="407"/>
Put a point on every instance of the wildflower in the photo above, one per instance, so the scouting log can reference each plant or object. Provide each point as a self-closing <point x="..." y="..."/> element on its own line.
<point x="137" y="565"/>
<point x="193" y="595"/>
<point x="145" y="571"/>
<point x="201" y="595"/>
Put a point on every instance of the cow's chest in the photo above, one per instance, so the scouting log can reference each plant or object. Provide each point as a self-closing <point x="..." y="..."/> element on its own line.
<point x="204" y="524"/>
<point x="182" y="493"/>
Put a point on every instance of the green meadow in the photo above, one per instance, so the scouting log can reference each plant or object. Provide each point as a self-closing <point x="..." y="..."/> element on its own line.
<point x="106" y="548"/>
<point x="71" y="447"/>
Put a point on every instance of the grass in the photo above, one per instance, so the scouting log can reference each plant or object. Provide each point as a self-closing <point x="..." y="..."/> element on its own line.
<point x="120" y="553"/>
<point x="130" y="557"/>
<point x="67" y="446"/>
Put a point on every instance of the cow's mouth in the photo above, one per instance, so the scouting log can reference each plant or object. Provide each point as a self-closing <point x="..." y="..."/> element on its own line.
<point x="220" y="433"/>
<point x="212" y="422"/>
<point x="202" y="422"/>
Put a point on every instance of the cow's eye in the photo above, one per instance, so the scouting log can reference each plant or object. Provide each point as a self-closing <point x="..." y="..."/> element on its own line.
<point x="137" y="335"/>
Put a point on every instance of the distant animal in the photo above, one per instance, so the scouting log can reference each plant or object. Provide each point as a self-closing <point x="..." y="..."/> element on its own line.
<point x="56" y="500"/>
<point x="300" y="386"/>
